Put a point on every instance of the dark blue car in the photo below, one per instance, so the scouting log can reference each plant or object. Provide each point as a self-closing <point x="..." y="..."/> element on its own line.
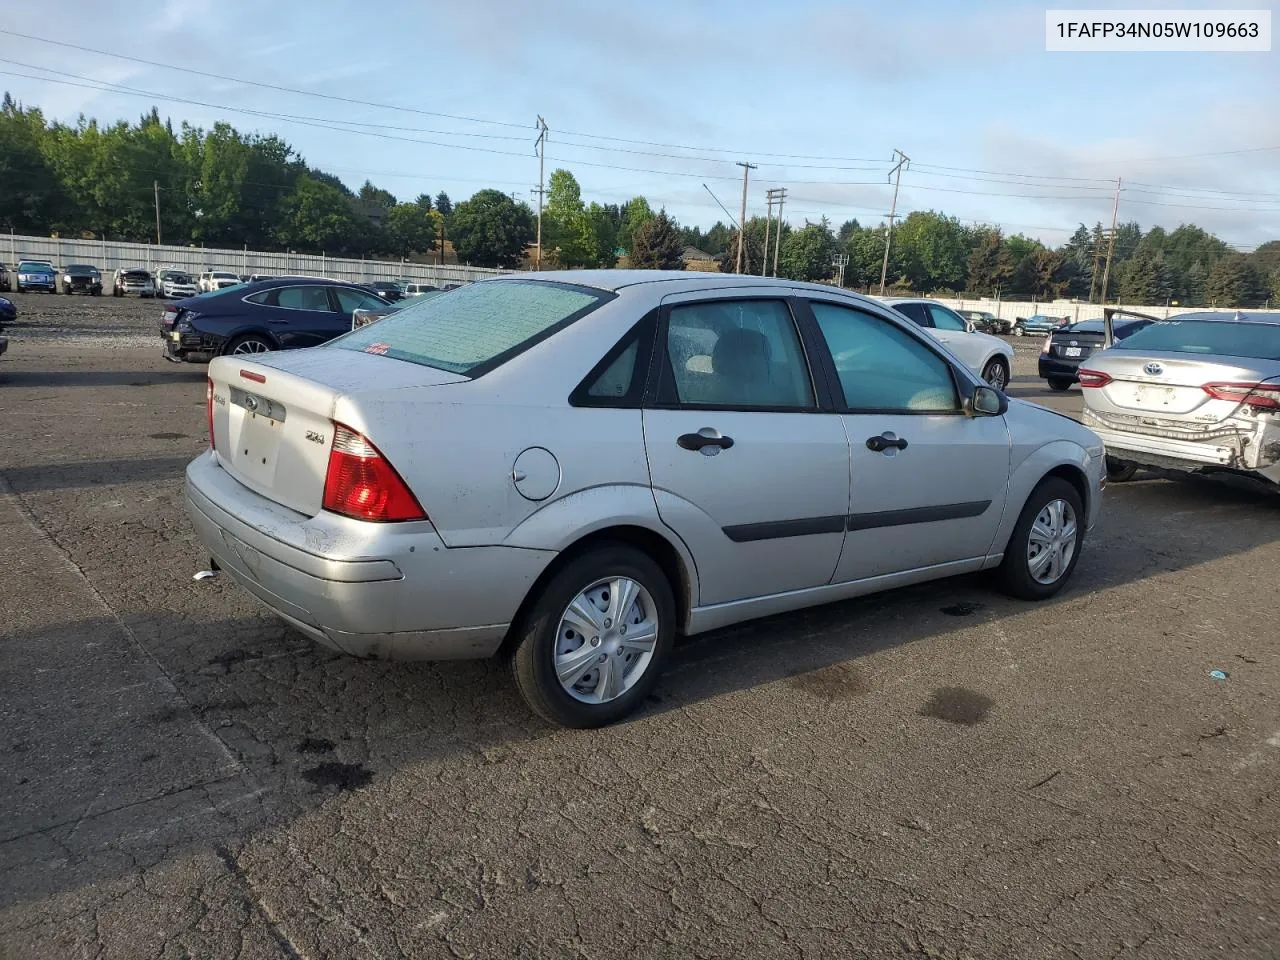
<point x="280" y="314"/>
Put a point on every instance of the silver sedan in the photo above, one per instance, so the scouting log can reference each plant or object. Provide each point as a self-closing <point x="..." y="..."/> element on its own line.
<point x="1198" y="393"/>
<point x="574" y="468"/>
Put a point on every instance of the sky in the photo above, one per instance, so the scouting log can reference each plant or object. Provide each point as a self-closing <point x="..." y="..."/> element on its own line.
<point x="664" y="99"/>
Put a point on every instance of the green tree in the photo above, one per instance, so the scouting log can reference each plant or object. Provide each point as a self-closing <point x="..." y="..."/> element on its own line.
<point x="566" y="227"/>
<point x="847" y="230"/>
<point x="656" y="244"/>
<point x="444" y="205"/>
<point x="866" y="256"/>
<point x="807" y="253"/>
<point x="32" y="198"/>
<point x="1235" y="281"/>
<point x="316" y="217"/>
<point x="1139" y="282"/>
<point x="604" y="225"/>
<point x="410" y="228"/>
<point x="933" y="250"/>
<point x="635" y="213"/>
<point x="989" y="265"/>
<point x="490" y="229"/>
<point x="753" y="250"/>
<point x="1267" y="257"/>
<point x="1041" y="274"/>
<point x="716" y="239"/>
<point x="376" y="196"/>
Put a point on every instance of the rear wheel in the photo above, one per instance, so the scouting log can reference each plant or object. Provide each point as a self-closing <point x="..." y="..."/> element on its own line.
<point x="1045" y="545"/>
<point x="244" y="346"/>
<point x="1018" y="331"/>
<point x="1118" y="471"/>
<point x="1059" y="384"/>
<point x="996" y="373"/>
<point x="594" y="643"/>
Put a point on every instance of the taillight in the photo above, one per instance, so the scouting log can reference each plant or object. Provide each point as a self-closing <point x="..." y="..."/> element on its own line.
<point x="1048" y="342"/>
<point x="1093" y="378"/>
<point x="361" y="483"/>
<point x="170" y="317"/>
<point x="1266" y="395"/>
<point x="208" y="403"/>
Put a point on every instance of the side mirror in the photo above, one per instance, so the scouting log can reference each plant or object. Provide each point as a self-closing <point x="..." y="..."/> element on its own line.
<point x="970" y="327"/>
<point x="987" y="402"/>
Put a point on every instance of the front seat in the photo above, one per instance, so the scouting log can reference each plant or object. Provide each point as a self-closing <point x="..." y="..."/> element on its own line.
<point x="742" y="364"/>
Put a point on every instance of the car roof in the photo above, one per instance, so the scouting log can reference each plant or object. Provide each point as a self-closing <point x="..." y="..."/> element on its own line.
<point x="1239" y="316"/>
<point x="675" y="281"/>
<point x="894" y="301"/>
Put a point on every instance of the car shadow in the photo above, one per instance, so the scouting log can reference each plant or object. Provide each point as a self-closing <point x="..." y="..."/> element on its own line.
<point x="92" y="473"/>
<point x="100" y="378"/>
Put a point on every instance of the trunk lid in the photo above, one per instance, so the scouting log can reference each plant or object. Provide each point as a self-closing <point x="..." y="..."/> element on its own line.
<point x="1066" y="345"/>
<point x="273" y="416"/>
<point x="1169" y="386"/>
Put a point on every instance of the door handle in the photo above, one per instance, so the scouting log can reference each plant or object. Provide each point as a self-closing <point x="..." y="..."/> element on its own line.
<point x="885" y="441"/>
<point x="707" y="437"/>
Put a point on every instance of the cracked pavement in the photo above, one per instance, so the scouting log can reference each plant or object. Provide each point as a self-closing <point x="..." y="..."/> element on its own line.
<point x="936" y="772"/>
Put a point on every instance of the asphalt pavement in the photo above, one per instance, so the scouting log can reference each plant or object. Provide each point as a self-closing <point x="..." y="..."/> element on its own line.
<point x="935" y="772"/>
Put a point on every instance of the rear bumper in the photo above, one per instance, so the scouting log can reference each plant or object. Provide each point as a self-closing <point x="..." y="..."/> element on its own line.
<point x="1059" y="368"/>
<point x="1165" y="452"/>
<point x="397" y="594"/>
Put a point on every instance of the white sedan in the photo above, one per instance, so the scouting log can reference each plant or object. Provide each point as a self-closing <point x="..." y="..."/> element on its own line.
<point x="573" y="468"/>
<point x="988" y="356"/>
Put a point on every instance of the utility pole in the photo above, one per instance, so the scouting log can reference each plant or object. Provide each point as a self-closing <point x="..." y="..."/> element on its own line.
<point x="1111" y="242"/>
<point x="777" y="245"/>
<point x="156" y="184"/>
<point x="768" y="223"/>
<point x="896" y="173"/>
<point x="542" y="157"/>
<point x="742" y="218"/>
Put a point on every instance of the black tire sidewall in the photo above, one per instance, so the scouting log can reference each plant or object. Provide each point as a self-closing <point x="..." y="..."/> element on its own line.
<point x="1015" y="569"/>
<point x="1000" y="362"/>
<point x="1057" y="383"/>
<point x="533" y="661"/>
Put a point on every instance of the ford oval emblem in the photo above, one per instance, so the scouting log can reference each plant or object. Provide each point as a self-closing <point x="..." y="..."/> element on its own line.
<point x="1153" y="369"/>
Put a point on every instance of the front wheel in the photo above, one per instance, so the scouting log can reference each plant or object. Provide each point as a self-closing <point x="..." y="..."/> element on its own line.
<point x="1118" y="471"/>
<point x="1018" y="331"/>
<point x="996" y="373"/>
<point x="1057" y="383"/>
<point x="595" y="642"/>
<point x="245" y="346"/>
<point x="1045" y="545"/>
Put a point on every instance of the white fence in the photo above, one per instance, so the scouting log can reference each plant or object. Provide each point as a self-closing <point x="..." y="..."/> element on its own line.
<point x="109" y="256"/>
<point x="1012" y="309"/>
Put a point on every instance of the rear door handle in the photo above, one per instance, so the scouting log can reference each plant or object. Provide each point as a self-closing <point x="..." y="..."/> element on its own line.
<point x="707" y="440"/>
<point x="886" y="441"/>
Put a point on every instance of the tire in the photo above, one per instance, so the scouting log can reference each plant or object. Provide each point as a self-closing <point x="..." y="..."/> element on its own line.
<point x="1057" y="383"/>
<point x="546" y="628"/>
<point x="249" y="345"/>
<point x="1120" y="471"/>
<point x="1016" y="575"/>
<point x="996" y="373"/>
<point x="1018" y="331"/>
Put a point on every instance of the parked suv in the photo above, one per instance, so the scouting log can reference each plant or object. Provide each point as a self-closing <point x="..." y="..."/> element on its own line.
<point x="37" y="275"/>
<point x="988" y="356"/>
<point x="175" y="282"/>
<point x="212" y="280"/>
<point x="133" y="280"/>
<point x="82" y="278"/>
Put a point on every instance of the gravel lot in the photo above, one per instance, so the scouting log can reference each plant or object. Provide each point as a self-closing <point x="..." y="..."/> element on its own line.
<point x="937" y="772"/>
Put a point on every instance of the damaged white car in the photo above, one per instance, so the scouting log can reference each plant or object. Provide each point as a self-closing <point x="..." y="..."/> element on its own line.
<point x="1198" y="393"/>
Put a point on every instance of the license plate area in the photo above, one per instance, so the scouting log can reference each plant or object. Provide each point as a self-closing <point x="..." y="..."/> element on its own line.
<point x="1071" y="352"/>
<point x="257" y="447"/>
<point x="1149" y="396"/>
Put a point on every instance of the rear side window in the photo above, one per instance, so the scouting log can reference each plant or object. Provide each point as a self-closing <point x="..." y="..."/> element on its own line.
<point x="744" y="353"/>
<point x="351" y="300"/>
<point x="304" y="298"/>
<point x="915" y="312"/>
<point x="944" y="319"/>
<point x="477" y="327"/>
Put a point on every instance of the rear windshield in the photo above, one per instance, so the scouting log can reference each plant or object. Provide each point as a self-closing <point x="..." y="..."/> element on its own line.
<point x="477" y="326"/>
<point x="1257" y="341"/>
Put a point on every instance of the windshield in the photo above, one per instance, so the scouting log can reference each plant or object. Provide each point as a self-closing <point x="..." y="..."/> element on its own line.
<point x="477" y="326"/>
<point x="1257" y="341"/>
<point x="225" y="276"/>
<point x="79" y="270"/>
<point x="27" y="267"/>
